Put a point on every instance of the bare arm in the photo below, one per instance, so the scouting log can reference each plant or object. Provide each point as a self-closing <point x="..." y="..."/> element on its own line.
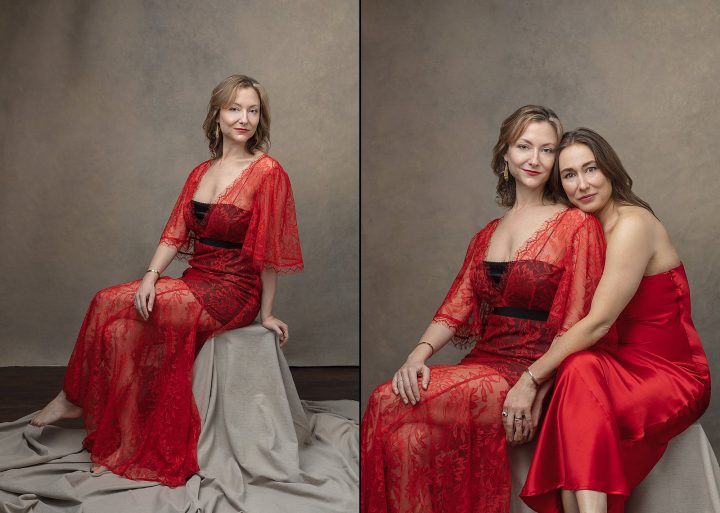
<point x="405" y="382"/>
<point x="269" y="285"/>
<point x="269" y="279"/>
<point x="145" y="295"/>
<point x="437" y="335"/>
<point x="457" y="307"/>
<point x="629" y="249"/>
<point x="164" y="254"/>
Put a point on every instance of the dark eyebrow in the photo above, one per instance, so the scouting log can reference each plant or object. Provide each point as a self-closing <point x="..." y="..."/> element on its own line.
<point x="586" y="164"/>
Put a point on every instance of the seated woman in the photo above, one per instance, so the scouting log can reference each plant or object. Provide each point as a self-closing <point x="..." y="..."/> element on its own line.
<point x="130" y="373"/>
<point x="614" y="411"/>
<point x="433" y="439"/>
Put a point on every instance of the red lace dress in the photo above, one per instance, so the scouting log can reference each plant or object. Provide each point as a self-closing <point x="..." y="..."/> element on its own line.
<point x="614" y="411"/>
<point x="133" y="378"/>
<point x="448" y="453"/>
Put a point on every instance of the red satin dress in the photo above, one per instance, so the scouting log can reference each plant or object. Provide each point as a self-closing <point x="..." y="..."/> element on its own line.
<point x="613" y="411"/>
<point x="448" y="452"/>
<point x="133" y="378"/>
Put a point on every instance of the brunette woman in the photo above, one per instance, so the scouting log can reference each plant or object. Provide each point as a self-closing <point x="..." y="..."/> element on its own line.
<point x="614" y="411"/>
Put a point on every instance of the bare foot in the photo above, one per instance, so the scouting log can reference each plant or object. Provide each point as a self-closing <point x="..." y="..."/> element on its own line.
<point x="98" y="469"/>
<point x="57" y="409"/>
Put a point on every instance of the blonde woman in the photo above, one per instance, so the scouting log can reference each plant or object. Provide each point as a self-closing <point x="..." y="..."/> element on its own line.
<point x="129" y="375"/>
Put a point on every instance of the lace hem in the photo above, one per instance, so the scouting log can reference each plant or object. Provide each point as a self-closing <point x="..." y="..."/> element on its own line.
<point x="285" y="268"/>
<point x="459" y="339"/>
<point x="185" y="248"/>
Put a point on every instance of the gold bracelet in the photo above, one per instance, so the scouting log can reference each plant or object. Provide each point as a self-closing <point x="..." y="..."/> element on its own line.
<point x="153" y="271"/>
<point x="537" y="383"/>
<point x="432" y="349"/>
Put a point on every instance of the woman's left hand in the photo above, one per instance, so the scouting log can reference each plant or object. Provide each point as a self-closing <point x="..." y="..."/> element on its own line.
<point x="519" y="424"/>
<point x="274" y="324"/>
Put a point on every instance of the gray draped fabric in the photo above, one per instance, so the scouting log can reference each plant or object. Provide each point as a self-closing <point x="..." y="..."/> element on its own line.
<point x="261" y="449"/>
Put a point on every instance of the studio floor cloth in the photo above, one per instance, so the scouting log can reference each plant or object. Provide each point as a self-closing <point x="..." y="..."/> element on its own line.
<point x="260" y="449"/>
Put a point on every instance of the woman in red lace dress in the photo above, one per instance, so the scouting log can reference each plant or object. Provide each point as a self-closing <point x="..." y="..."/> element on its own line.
<point x="613" y="411"/>
<point x="130" y="373"/>
<point x="434" y="439"/>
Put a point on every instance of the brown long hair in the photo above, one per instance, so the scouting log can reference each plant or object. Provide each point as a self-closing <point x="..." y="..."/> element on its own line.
<point x="607" y="162"/>
<point x="222" y="97"/>
<point x="510" y="130"/>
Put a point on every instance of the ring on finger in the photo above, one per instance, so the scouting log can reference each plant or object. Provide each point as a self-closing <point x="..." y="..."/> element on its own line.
<point x="504" y="414"/>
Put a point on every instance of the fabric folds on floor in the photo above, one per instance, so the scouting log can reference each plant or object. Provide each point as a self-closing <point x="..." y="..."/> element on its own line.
<point x="261" y="449"/>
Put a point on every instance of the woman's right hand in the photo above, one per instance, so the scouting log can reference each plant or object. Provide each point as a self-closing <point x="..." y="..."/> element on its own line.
<point x="405" y="380"/>
<point x="145" y="295"/>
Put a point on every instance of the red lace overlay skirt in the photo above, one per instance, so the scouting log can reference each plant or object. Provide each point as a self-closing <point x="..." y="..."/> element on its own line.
<point x="448" y="452"/>
<point x="133" y="378"/>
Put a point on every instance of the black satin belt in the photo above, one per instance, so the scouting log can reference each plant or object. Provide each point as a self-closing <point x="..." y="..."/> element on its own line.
<point x="521" y="313"/>
<point x="220" y="243"/>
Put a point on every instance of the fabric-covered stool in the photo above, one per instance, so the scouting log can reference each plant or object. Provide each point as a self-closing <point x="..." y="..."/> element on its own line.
<point x="685" y="480"/>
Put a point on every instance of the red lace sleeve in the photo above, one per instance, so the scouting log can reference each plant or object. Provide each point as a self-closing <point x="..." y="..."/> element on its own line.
<point x="176" y="233"/>
<point x="584" y="262"/>
<point x="460" y="311"/>
<point x="272" y="240"/>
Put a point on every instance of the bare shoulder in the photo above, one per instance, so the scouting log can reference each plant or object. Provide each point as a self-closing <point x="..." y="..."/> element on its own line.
<point x="636" y="221"/>
<point x="640" y="224"/>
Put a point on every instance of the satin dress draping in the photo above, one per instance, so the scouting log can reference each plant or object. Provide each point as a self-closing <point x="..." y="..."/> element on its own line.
<point x="133" y="378"/>
<point x="448" y="452"/>
<point x="613" y="411"/>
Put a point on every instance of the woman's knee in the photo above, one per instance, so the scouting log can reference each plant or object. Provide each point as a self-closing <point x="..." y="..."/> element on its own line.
<point x="116" y="296"/>
<point x="103" y="297"/>
<point x="382" y="396"/>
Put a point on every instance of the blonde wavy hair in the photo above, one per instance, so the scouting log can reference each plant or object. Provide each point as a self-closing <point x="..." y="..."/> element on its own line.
<point x="222" y="97"/>
<point x="510" y="130"/>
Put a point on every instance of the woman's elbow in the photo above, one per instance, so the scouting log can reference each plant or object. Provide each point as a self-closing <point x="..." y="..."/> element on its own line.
<point x="600" y="328"/>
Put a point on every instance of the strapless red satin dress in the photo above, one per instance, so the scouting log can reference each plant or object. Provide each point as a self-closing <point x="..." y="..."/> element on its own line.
<point x="614" y="410"/>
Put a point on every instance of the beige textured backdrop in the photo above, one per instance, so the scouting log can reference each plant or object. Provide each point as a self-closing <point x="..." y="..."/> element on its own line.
<point x="102" y="106"/>
<point x="437" y="80"/>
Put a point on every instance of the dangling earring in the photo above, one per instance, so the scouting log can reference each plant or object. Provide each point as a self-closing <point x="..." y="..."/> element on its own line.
<point x="506" y="173"/>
